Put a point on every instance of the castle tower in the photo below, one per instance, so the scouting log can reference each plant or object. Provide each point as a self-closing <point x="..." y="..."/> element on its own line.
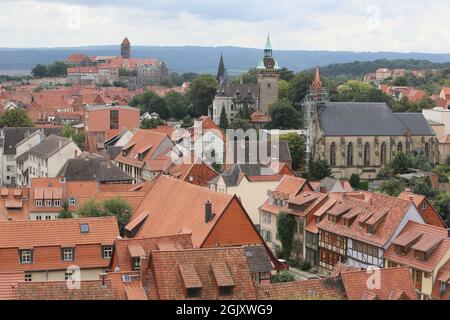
<point x="125" y="49"/>
<point x="268" y="76"/>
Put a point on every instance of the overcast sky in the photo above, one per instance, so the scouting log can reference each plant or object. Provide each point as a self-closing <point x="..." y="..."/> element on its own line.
<point x="356" y="25"/>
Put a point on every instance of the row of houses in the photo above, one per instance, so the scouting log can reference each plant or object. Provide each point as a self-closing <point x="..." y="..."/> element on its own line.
<point x="209" y="249"/>
<point x="360" y="229"/>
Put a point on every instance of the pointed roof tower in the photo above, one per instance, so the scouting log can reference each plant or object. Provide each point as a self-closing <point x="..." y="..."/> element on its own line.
<point x="268" y="48"/>
<point x="317" y="83"/>
<point x="221" y="71"/>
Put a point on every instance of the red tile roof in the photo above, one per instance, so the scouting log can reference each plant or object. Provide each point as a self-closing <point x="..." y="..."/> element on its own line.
<point x="427" y="236"/>
<point x="207" y="269"/>
<point x="127" y="285"/>
<point x="58" y="290"/>
<point x="314" y="289"/>
<point x="122" y="256"/>
<point x="8" y="284"/>
<point x="359" y="285"/>
<point x="168" y="200"/>
<point x="387" y="211"/>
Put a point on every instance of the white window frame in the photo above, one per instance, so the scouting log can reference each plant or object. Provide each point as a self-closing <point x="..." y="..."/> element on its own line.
<point x="107" y="252"/>
<point x="57" y="203"/>
<point x="38" y="203"/>
<point x="72" y="202"/>
<point x="26" y="256"/>
<point x="68" y="254"/>
<point x="28" y="277"/>
<point x="48" y="203"/>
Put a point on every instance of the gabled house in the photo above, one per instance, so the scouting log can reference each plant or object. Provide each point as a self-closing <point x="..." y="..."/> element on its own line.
<point x="22" y="161"/>
<point x="358" y="231"/>
<point x="195" y="171"/>
<point x="214" y="219"/>
<point x="425" y="208"/>
<point x="147" y="155"/>
<point x="48" y="250"/>
<point x="9" y="138"/>
<point x="250" y="182"/>
<point x="424" y="249"/>
<point x="297" y="197"/>
<point x="47" y="158"/>
<point x="379" y="284"/>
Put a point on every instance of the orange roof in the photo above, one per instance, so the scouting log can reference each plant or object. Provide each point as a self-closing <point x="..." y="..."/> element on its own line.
<point x="313" y="289"/>
<point x="392" y="281"/>
<point x="201" y="268"/>
<point x="443" y="276"/>
<point x="428" y="236"/>
<point x="47" y="237"/>
<point x="122" y="255"/>
<point x="8" y="284"/>
<point x="129" y="289"/>
<point x="59" y="290"/>
<point x="175" y="205"/>
<point x="395" y="208"/>
<point x="143" y="139"/>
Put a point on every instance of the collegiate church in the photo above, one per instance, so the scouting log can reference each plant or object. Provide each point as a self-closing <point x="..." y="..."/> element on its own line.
<point x="257" y="97"/>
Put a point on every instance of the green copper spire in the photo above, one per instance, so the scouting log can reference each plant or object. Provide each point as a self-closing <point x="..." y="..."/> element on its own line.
<point x="268" y="43"/>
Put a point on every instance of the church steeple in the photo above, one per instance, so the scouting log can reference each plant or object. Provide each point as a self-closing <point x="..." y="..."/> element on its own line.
<point x="317" y="83"/>
<point x="221" y="70"/>
<point x="268" y="62"/>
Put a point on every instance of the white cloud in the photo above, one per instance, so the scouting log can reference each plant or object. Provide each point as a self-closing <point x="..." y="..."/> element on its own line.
<point x="378" y="25"/>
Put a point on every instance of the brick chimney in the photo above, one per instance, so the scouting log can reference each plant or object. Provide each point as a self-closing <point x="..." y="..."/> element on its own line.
<point x="77" y="102"/>
<point x="103" y="279"/>
<point x="323" y="190"/>
<point x="208" y="211"/>
<point x="143" y="266"/>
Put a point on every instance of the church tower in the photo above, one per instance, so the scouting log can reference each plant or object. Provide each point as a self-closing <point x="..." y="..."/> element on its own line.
<point x="268" y="76"/>
<point x="125" y="49"/>
<point x="222" y="74"/>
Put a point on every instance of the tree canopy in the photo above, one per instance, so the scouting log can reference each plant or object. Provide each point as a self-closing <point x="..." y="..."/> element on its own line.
<point x="15" y="118"/>
<point x="201" y="94"/>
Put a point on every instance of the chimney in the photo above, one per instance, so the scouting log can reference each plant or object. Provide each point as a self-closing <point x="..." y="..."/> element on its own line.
<point x="75" y="153"/>
<point x="323" y="190"/>
<point x="103" y="278"/>
<point x="143" y="265"/>
<point x="208" y="211"/>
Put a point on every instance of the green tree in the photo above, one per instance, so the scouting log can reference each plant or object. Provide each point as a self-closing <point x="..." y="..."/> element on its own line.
<point x="245" y="112"/>
<point x="392" y="187"/>
<point x="187" y="122"/>
<point x="285" y="231"/>
<point x="299" y="86"/>
<point x="319" y="169"/>
<point x="177" y="105"/>
<point x="358" y="91"/>
<point x="223" y="123"/>
<point x="355" y="181"/>
<point x="283" y="90"/>
<point x="296" y="148"/>
<point x="15" y="118"/>
<point x="151" y="123"/>
<point x="441" y="203"/>
<point x="283" y="276"/>
<point x="422" y="163"/>
<point x="423" y="186"/>
<point x="251" y="76"/>
<point x="284" y="116"/>
<point x="240" y="123"/>
<point x="65" y="213"/>
<point x="201" y="94"/>
<point x="117" y="207"/>
<point x="286" y="74"/>
<point x="79" y="138"/>
<point x="401" y="163"/>
<point x="39" y="71"/>
<point x="150" y="102"/>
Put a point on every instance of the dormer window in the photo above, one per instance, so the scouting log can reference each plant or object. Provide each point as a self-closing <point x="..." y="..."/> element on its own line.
<point x="226" y="291"/>
<point x="420" y="255"/>
<point x="193" y="292"/>
<point x="136" y="263"/>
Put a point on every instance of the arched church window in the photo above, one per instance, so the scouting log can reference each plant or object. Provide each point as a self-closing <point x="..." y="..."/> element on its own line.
<point x="350" y="154"/>
<point x="333" y="154"/>
<point x="367" y="154"/>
